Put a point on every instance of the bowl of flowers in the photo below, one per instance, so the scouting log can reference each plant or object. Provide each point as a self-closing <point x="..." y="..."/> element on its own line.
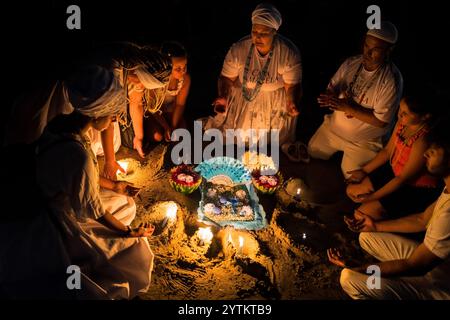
<point x="267" y="184"/>
<point x="184" y="179"/>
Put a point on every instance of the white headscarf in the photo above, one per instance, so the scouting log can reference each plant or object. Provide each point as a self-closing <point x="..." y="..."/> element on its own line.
<point x="267" y="15"/>
<point x="147" y="79"/>
<point x="95" y="92"/>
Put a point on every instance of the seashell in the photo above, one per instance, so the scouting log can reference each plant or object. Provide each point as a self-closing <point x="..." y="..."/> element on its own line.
<point x="241" y="194"/>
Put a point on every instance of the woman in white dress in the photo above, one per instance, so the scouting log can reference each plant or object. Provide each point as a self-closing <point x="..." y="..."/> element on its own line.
<point x="260" y="82"/>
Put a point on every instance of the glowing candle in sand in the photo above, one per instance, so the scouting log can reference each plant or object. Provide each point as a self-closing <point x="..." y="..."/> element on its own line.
<point x="124" y="165"/>
<point x="205" y="235"/>
<point x="171" y="213"/>
<point x="230" y="239"/>
<point x="297" y="196"/>
<point x="241" y="245"/>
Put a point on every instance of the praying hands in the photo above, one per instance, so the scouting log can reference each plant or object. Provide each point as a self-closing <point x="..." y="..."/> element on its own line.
<point x="328" y="100"/>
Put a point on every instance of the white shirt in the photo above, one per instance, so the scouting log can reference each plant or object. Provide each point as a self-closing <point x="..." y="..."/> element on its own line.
<point x="379" y="90"/>
<point x="437" y="240"/>
<point x="285" y="66"/>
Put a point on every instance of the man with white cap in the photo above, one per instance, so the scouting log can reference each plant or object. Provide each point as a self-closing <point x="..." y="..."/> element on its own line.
<point x="364" y="94"/>
<point x="260" y="82"/>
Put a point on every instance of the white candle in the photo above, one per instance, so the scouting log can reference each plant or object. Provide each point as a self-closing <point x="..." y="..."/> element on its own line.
<point x="297" y="196"/>
<point x="205" y="235"/>
<point x="171" y="214"/>
<point x="241" y="244"/>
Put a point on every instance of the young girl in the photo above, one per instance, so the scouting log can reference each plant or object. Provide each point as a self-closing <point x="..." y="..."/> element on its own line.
<point x="395" y="182"/>
<point x="171" y="116"/>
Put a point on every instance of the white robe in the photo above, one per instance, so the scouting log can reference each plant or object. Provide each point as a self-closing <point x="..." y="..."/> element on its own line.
<point x="269" y="108"/>
<point x="112" y="267"/>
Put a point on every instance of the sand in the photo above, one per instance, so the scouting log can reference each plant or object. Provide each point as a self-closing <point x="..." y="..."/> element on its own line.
<point x="285" y="260"/>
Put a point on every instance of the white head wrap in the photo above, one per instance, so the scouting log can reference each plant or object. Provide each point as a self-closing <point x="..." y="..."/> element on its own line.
<point x="387" y="32"/>
<point x="95" y="92"/>
<point x="147" y="79"/>
<point x="267" y="15"/>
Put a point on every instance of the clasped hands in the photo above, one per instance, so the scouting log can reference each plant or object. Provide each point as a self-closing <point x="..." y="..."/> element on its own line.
<point x="330" y="100"/>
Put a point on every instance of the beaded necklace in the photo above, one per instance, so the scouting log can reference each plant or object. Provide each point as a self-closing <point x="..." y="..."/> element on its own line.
<point x="250" y="94"/>
<point x="366" y="87"/>
<point x="405" y="141"/>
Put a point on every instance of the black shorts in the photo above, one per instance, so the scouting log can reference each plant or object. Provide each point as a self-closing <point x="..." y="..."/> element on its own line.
<point x="407" y="199"/>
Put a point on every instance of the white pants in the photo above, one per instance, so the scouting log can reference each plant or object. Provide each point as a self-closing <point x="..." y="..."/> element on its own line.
<point x="387" y="247"/>
<point x="325" y="143"/>
<point x="122" y="207"/>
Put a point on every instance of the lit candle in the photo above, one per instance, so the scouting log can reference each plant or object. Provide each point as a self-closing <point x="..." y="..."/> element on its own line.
<point x="241" y="244"/>
<point x="304" y="236"/>
<point x="171" y="214"/>
<point x="297" y="196"/>
<point x="205" y="235"/>
<point x="124" y="165"/>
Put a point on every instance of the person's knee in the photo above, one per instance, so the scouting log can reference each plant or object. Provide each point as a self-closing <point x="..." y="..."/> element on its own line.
<point x="346" y="280"/>
<point x="351" y="283"/>
<point x="315" y="150"/>
<point x="365" y="238"/>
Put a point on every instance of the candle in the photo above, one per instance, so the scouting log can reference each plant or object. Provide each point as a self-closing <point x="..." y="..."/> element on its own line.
<point x="304" y="236"/>
<point x="205" y="235"/>
<point x="171" y="214"/>
<point x="241" y="244"/>
<point x="124" y="165"/>
<point x="297" y="196"/>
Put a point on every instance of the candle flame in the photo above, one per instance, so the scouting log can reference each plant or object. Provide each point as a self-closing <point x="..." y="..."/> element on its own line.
<point x="241" y="241"/>
<point x="124" y="165"/>
<point x="205" y="234"/>
<point x="230" y="239"/>
<point x="298" y="191"/>
<point x="172" y="209"/>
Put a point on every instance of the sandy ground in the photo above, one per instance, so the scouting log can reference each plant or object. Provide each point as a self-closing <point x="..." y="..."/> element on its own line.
<point x="285" y="260"/>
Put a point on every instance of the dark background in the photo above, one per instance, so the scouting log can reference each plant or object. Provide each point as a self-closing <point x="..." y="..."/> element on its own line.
<point x="38" y="48"/>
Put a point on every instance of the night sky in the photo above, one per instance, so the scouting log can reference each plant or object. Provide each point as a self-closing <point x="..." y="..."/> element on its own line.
<point x="38" y="48"/>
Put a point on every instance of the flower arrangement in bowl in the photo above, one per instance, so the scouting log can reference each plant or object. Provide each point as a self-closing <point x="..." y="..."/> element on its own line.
<point x="184" y="179"/>
<point x="267" y="184"/>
